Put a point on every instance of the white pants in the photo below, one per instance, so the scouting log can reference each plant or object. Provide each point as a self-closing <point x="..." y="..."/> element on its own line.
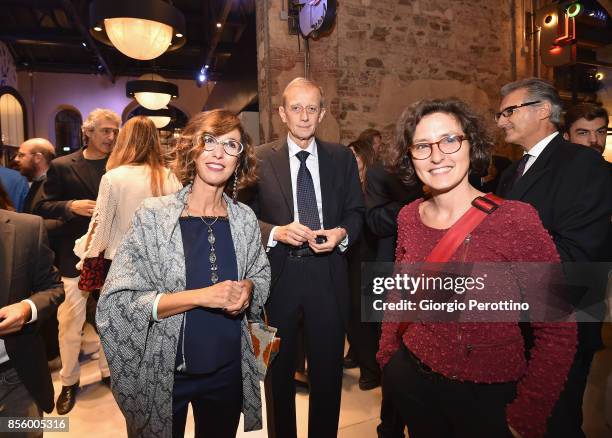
<point x="71" y="317"/>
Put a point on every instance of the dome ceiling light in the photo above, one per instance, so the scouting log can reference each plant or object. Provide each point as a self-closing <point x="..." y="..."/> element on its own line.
<point x="160" y="117"/>
<point x="151" y="91"/>
<point x="140" y="29"/>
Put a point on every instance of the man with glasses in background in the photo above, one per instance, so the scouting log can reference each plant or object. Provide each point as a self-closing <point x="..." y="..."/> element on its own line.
<point x="570" y="187"/>
<point x="309" y="204"/>
<point x="70" y="190"/>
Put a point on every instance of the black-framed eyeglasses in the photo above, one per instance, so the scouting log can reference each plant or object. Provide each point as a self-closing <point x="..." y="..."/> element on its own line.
<point x="209" y="142"/>
<point x="447" y="145"/>
<point x="507" y="112"/>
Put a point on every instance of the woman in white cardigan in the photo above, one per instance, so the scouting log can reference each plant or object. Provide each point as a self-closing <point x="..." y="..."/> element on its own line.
<point x="134" y="171"/>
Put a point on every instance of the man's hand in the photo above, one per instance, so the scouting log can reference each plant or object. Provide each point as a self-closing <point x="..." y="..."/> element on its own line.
<point x="83" y="207"/>
<point x="245" y="298"/>
<point x="334" y="237"/>
<point x="14" y="317"/>
<point x="294" y="234"/>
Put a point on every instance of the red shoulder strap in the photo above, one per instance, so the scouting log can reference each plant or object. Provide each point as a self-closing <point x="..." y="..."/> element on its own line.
<point x="482" y="206"/>
<point x="454" y="237"/>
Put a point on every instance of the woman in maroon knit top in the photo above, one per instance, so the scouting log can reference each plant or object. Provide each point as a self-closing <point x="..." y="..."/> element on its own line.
<point x="468" y="379"/>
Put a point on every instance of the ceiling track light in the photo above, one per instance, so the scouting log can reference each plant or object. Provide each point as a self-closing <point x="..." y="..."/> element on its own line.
<point x="140" y="29"/>
<point x="151" y="91"/>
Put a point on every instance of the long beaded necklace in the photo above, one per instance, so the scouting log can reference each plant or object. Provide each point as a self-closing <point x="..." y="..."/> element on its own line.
<point x="212" y="258"/>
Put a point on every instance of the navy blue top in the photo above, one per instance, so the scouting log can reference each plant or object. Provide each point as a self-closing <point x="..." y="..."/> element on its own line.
<point x="212" y="338"/>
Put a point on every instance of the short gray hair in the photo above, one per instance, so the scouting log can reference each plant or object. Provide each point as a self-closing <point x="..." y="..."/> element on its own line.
<point x="95" y="116"/>
<point x="305" y="83"/>
<point x="539" y="89"/>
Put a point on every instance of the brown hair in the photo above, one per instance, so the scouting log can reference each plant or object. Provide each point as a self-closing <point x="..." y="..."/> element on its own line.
<point x="365" y="152"/>
<point x="398" y="157"/>
<point x="588" y="111"/>
<point x="138" y="143"/>
<point x="216" y="122"/>
<point x="5" y="202"/>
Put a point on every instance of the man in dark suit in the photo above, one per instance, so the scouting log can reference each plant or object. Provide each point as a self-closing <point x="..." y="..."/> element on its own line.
<point x="570" y="187"/>
<point x="309" y="203"/>
<point x="70" y="190"/>
<point x="30" y="291"/>
<point x="33" y="159"/>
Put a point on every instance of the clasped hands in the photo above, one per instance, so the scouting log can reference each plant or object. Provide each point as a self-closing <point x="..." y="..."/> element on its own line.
<point x="296" y="234"/>
<point x="233" y="297"/>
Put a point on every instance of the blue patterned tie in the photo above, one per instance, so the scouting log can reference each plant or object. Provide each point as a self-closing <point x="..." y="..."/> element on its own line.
<point x="306" y="199"/>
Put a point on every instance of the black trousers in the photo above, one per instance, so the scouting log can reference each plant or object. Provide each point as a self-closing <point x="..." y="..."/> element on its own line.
<point x="216" y="399"/>
<point x="305" y="288"/>
<point x="566" y="417"/>
<point x="436" y="407"/>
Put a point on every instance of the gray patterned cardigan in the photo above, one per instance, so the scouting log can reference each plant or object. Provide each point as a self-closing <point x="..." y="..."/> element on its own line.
<point x="141" y="352"/>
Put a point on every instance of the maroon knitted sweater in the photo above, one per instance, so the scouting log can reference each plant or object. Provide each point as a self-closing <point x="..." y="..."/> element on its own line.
<point x="490" y="352"/>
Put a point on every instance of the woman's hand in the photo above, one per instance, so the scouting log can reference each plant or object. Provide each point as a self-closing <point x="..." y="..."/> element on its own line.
<point x="245" y="298"/>
<point x="223" y="295"/>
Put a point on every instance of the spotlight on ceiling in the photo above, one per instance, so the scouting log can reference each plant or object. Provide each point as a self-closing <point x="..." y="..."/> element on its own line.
<point x="151" y="91"/>
<point x="140" y="29"/>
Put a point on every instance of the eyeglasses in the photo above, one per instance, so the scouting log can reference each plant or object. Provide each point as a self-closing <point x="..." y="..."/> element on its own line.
<point x="209" y="143"/>
<point x="310" y="109"/>
<point x="23" y="154"/>
<point x="447" y="145"/>
<point x="507" y="112"/>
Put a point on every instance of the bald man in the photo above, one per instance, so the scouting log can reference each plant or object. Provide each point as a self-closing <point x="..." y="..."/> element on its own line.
<point x="34" y="157"/>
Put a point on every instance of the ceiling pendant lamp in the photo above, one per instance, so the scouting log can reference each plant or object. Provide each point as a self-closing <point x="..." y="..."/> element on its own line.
<point x="151" y="91"/>
<point x="140" y="29"/>
<point x="160" y="117"/>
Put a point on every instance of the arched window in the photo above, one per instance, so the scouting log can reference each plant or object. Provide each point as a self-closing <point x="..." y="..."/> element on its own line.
<point x="12" y="117"/>
<point x="68" y="138"/>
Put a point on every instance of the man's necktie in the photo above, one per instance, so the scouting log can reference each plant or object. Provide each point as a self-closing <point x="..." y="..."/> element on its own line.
<point x="520" y="169"/>
<point x="306" y="199"/>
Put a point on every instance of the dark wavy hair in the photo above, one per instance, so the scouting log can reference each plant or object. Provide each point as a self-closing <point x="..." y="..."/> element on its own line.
<point x="216" y="122"/>
<point x="397" y="159"/>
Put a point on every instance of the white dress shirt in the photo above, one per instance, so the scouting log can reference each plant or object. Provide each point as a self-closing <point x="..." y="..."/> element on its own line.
<point x="537" y="149"/>
<point x="312" y="163"/>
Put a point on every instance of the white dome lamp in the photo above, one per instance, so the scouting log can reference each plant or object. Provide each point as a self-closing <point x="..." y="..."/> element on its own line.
<point x="151" y="91"/>
<point x="160" y="117"/>
<point x="140" y="29"/>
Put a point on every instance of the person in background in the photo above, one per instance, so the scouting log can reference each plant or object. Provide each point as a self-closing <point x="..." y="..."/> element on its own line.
<point x="30" y="291"/>
<point x="440" y="387"/>
<point x="571" y="188"/>
<point x="586" y="124"/>
<point x="385" y="195"/>
<point x="134" y="172"/>
<point x="373" y="137"/>
<point x="189" y="273"/>
<point x="15" y="185"/>
<point x="33" y="160"/>
<point x="362" y="343"/>
<point x="70" y="191"/>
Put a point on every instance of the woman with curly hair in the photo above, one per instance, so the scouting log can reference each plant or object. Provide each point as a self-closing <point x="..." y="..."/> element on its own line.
<point x="466" y="379"/>
<point x="173" y="312"/>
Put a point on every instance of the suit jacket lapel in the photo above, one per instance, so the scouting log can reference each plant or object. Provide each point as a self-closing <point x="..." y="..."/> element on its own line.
<point x="535" y="172"/>
<point x="280" y="163"/>
<point x="7" y="243"/>
<point x="84" y="173"/>
<point x="326" y="174"/>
